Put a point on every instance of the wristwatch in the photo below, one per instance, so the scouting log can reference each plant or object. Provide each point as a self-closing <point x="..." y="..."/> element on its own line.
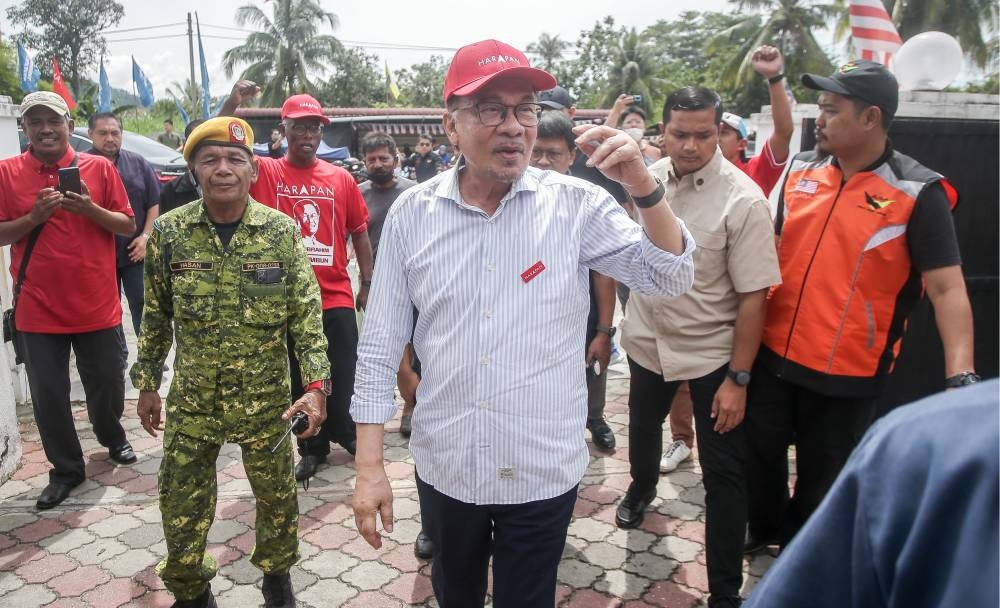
<point x="962" y="379"/>
<point x="604" y="329"/>
<point x="324" y="386"/>
<point x="740" y="377"/>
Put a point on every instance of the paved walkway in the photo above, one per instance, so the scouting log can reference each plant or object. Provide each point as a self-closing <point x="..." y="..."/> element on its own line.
<point x="100" y="546"/>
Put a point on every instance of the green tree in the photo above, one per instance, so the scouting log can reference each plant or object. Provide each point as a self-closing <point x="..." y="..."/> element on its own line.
<point x="69" y="30"/>
<point x="422" y="85"/>
<point x="585" y="74"/>
<point x="549" y="50"/>
<point x="285" y="50"/>
<point x="358" y="80"/>
<point x="788" y="25"/>
<point x="681" y="46"/>
<point x="189" y="95"/>
<point x="633" y="71"/>
<point x="10" y="83"/>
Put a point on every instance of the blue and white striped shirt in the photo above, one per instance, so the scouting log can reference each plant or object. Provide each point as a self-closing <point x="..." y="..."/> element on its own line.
<point x="502" y="402"/>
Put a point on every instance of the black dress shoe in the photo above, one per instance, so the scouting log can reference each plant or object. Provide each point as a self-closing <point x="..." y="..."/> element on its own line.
<point x="351" y="446"/>
<point x="633" y="507"/>
<point x="205" y="600"/>
<point x="756" y="545"/>
<point x="423" y="547"/>
<point x="53" y="494"/>
<point x="307" y="466"/>
<point x="277" y="590"/>
<point x="123" y="454"/>
<point x="601" y="434"/>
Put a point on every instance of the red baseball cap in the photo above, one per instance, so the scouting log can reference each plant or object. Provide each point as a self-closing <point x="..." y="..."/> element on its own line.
<point x="476" y="65"/>
<point x="303" y="106"/>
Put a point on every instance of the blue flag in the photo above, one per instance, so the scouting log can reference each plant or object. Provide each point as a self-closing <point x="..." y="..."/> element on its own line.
<point x="27" y="70"/>
<point x="182" y="112"/>
<point x="206" y="95"/>
<point x="103" y="91"/>
<point x="142" y="85"/>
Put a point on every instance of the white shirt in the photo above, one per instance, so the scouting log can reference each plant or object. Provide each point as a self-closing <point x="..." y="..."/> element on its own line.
<point x="502" y="402"/>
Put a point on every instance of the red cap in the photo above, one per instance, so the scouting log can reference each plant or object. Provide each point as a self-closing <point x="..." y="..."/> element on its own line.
<point x="476" y="65"/>
<point x="303" y="106"/>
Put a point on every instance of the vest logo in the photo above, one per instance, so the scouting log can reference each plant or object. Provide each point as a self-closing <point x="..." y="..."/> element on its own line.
<point x="808" y="186"/>
<point x="877" y="203"/>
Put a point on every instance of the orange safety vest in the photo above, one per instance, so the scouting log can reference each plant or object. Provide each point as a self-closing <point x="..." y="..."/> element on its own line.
<point x="834" y="323"/>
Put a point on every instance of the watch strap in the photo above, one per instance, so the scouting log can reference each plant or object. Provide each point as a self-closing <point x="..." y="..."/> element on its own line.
<point x="645" y="202"/>
<point x="962" y="379"/>
<point x="606" y="329"/>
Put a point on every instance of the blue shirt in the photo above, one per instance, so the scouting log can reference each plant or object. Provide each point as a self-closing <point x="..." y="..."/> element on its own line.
<point x="912" y="519"/>
<point x="503" y="302"/>
<point x="143" y="188"/>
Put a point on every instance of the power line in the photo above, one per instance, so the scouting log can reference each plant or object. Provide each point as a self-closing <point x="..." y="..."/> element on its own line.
<point x="139" y="29"/>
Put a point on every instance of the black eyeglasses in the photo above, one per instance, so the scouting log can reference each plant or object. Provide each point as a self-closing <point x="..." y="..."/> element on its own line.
<point x="302" y="129"/>
<point x="492" y="114"/>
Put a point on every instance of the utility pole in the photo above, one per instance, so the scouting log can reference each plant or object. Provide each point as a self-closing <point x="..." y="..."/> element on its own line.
<point x="191" y="48"/>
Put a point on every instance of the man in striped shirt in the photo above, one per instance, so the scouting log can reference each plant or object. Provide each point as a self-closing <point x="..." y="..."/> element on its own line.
<point x="495" y="257"/>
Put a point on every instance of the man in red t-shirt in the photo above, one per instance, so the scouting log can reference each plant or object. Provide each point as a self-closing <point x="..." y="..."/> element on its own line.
<point x="326" y="203"/>
<point x="69" y="297"/>
<point x="767" y="166"/>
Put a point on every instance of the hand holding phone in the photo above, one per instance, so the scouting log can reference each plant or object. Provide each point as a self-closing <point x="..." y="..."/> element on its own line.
<point x="595" y="367"/>
<point x="69" y="180"/>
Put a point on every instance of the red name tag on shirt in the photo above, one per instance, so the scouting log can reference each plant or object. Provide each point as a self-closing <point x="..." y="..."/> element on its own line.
<point x="532" y="272"/>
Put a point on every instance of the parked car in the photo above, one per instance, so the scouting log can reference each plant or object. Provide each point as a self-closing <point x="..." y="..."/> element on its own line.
<point x="166" y="162"/>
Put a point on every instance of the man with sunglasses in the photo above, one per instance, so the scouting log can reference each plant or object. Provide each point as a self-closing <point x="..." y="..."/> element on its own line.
<point x="326" y="202"/>
<point x="494" y="255"/>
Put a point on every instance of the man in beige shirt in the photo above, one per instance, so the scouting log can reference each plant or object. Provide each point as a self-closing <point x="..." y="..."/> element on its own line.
<point x="708" y="336"/>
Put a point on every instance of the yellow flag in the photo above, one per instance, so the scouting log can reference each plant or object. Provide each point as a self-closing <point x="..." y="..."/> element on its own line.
<point x="393" y="89"/>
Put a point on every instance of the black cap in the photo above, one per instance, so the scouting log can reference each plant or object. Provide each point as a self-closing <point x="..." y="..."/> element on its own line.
<point x="556" y="98"/>
<point x="866" y="80"/>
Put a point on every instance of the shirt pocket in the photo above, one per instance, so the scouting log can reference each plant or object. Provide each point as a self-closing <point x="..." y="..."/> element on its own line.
<point x="710" y="256"/>
<point x="194" y="295"/>
<point x="263" y="304"/>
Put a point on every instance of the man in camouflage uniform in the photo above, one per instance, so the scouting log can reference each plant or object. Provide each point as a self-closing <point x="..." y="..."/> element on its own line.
<point x="232" y="277"/>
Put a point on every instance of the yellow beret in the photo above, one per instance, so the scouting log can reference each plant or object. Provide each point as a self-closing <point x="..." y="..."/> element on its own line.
<point x="220" y="131"/>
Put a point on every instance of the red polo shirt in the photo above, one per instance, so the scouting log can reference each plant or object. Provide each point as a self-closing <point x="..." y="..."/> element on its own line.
<point x="70" y="285"/>
<point x="326" y="204"/>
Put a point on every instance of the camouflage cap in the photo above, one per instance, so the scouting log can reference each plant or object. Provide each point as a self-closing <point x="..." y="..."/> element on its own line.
<point x="220" y="131"/>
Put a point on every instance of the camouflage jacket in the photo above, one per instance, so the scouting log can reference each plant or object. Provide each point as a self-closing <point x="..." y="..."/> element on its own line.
<point x="230" y="311"/>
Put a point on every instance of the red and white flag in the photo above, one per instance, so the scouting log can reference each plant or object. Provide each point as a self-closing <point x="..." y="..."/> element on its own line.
<point x="59" y="86"/>
<point x="875" y="37"/>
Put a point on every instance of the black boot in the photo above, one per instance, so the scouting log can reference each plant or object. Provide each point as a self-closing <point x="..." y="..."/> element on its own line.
<point x="277" y="590"/>
<point x="205" y="600"/>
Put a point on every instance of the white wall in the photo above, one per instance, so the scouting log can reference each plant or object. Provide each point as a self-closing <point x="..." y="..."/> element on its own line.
<point x="10" y="379"/>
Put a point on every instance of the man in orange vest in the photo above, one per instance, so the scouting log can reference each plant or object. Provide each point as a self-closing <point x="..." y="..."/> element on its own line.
<point x="862" y="231"/>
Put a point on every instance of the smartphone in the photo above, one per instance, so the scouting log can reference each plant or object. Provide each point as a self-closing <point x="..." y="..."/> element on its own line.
<point x="69" y="180"/>
<point x="637" y="99"/>
<point x="595" y="367"/>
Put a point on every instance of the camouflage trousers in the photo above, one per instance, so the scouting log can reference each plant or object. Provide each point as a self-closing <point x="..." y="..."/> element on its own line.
<point x="188" y="491"/>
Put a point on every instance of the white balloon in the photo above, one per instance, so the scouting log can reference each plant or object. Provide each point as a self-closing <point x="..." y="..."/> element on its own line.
<point x="927" y="62"/>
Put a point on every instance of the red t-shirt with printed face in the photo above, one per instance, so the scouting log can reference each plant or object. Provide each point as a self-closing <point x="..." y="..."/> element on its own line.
<point x="70" y="284"/>
<point x="763" y="169"/>
<point x="327" y="205"/>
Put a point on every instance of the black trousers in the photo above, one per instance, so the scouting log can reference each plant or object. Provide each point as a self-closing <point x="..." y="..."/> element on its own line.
<point x="341" y="328"/>
<point x="722" y="458"/>
<point x="99" y="361"/>
<point x="824" y="430"/>
<point x="526" y="542"/>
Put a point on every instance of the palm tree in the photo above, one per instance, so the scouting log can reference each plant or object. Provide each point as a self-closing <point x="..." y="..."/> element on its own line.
<point x="188" y="96"/>
<point x="788" y="25"/>
<point x="288" y="46"/>
<point x="633" y="72"/>
<point x="549" y="50"/>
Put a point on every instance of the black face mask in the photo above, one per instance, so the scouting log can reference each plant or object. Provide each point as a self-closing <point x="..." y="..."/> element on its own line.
<point x="381" y="178"/>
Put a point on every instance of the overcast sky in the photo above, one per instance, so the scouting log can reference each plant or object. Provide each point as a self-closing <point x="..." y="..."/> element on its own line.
<point x="445" y="24"/>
